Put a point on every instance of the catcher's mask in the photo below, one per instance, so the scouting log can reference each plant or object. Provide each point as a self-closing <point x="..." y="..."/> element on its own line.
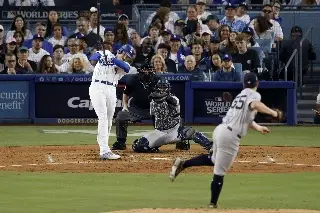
<point x="146" y="73"/>
<point x="163" y="86"/>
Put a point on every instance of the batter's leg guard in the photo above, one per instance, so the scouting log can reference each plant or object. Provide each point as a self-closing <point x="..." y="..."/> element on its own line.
<point x="141" y="145"/>
<point x="201" y="139"/>
<point x="216" y="187"/>
<point x="183" y="145"/>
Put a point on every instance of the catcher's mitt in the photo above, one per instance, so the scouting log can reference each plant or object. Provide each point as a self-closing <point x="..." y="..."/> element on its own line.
<point x="157" y="97"/>
<point x="279" y="118"/>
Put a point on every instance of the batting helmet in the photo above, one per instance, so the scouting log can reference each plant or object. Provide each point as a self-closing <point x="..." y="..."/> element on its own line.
<point x="128" y="50"/>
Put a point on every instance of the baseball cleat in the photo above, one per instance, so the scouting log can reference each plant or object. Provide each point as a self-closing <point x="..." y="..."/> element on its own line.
<point x="176" y="169"/>
<point x="119" y="146"/>
<point x="109" y="156"/>
<point x="213" y="206"/>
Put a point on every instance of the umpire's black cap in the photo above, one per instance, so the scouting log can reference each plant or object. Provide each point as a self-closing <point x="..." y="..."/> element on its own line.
<point x="250" y="80"/>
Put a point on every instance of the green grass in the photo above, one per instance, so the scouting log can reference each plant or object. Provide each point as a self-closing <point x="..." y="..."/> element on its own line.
<point x="93" y="193"/>
<point x="31" y="135"/>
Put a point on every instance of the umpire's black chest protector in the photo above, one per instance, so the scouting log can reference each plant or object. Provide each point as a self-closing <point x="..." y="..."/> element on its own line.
<point x="139" y="91"/>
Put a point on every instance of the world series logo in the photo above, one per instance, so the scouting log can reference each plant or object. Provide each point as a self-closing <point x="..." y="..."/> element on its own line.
<point x="218" y="105"/>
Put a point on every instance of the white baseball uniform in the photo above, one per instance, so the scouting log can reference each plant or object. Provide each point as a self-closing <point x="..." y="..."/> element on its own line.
<point x="103" y="96"/>
<point x="226" y="136"/>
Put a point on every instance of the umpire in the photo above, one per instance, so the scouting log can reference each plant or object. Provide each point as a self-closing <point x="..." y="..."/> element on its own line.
<point x="136" y="104"/>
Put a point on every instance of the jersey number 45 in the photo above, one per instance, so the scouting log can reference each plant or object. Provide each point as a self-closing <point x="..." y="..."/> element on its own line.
<point x="238" y="102"/>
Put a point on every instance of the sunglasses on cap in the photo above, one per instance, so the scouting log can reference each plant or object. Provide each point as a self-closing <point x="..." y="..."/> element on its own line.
<point x="267" y="11"/>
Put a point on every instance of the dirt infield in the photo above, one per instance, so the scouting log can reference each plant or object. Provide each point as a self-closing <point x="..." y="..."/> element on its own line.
<point x="85" y="159"/>
<point x="215" y="210"/>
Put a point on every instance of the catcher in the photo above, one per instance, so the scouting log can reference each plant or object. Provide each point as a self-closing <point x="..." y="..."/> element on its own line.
<point x="226" y="136"/>
<point x="165" y="112"/>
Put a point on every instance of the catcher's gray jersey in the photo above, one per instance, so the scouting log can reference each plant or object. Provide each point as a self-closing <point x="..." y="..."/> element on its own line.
<point x="165" y="116"/>
<point x="240" y="115"/>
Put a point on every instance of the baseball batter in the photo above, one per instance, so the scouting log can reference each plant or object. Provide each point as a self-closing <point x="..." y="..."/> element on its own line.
<point x="226" y="136"/>
<point x="165" y="112"/>
<point x="107" y="72"/>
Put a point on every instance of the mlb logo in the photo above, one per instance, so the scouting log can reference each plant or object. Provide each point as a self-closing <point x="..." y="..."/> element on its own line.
<point x="218" y="99"/>
<point x="9" y="14"/>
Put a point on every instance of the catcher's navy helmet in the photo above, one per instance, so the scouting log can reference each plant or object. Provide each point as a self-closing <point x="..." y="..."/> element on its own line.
<point x="163" y="86"/>
<point x="128" y="50"/>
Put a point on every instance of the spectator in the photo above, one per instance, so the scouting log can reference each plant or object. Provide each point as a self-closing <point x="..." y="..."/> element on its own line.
<point x="159" y="64"/>
<point x="11" y="45"/>
<point x="93" y="23"/>
<point x="276" y="12"/>
<point x="10" y="64"/>
<point x="124" y="19"/>
<point x="145" y="53"/>
<point x="215" y="63"/>
<point x="247" y="57"/>
<point x="73" y="46"/>
<point x="2" y="47"/>
<point x="317" y="114"/>
<point x="77" y="65"/>
<point x="267" y="12"/>
<point x="232" y="43"/>
<point x="154" y="30"/>
<point x="2" y="40"/>
<point x="166" y="36"/>
<point x="23" y="64"/>
<point x="121" y="36"/>
<point x="164" y="50"/>
<point x="109" y="38"/>
<point x="230" y="20"/>
<point x="262" y="28"/>
<point x="289" y="45"/>
<point x="58" y="54"/>
<point x="83" y="27"/>
<point x="156" y="20"/>
<point x="47" y="66"/>
<point x="51" y="22"/>
<point x="197" y="51"/>
<point x="241" y="13"/>
<point x="201" y="7"/>
<point x="189" y="66"/>
<point x="214" y="47"/>
<point x="173" y="17"/>
<point x="227" y="72"/>
<point x="83" y="47"/>
<point x="18" y="25"/>
<point x="57" y="38"/>
<point x="135" y="40"/>
<point x="176" y="53"/>
<point x="40" y="30"/>
<point x="179" y="25"/>
<point x="213" y="23"/>
<point x="36" y="52"/>
<point x="249" y="33"/>
<point x="205" y="39"/>
<point x="19" y="38"/>
<point x="192" y="13"/>
<point x="224" y="32"/>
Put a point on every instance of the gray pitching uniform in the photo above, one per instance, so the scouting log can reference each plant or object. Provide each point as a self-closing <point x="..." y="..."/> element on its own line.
<point x="226" y="136"/>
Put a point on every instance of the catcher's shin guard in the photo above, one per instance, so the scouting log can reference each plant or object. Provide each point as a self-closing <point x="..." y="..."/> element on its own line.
<point x="201" y="139"/>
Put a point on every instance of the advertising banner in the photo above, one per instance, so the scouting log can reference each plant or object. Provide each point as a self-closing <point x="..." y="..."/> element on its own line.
<point x="70" y="103"/>
<point x="14" y="100"/>
<point x="212" y="104"/>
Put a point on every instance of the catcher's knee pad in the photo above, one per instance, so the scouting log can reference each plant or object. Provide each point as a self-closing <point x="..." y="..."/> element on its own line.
<point x="201" y="139"/>
<point x="141" y="145"/>
<point x="185" y="132"/>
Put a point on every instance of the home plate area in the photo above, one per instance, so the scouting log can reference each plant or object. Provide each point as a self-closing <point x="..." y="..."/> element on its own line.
<point x="251" y="159"/>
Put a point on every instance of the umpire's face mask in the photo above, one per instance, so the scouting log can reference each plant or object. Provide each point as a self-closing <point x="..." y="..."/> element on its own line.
<point x="146" y="76"/>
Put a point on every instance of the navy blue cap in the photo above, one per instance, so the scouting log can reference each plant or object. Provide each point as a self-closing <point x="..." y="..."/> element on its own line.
<point x="175" y="38"/>
<point x="245" y="5"/>
<point x="226" y="57"/>
<point x="229" y="5"/>
<point x="180" y="22"/>
<point x="108" y="29"/>
<point x="250" y="78"/>
<point x="37" y="36"/>
<point x="167" y="31"/>
<point x="248" y="30"/>
<point x="80" y="35"/>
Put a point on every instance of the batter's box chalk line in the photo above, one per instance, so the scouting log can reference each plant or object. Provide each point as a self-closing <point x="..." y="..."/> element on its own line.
<point x="161" y="159"/>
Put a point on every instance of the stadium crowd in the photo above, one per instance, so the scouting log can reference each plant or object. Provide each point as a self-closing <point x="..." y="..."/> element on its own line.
<point x="208" y="48"/>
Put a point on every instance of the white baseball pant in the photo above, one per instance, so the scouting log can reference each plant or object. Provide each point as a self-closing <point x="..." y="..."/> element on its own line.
<point x="103" y="98"/>
<point x="159" y="138"/>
